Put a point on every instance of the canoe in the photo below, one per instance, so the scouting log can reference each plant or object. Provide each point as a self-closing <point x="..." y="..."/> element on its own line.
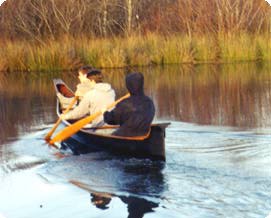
<point x="86" y="140"/>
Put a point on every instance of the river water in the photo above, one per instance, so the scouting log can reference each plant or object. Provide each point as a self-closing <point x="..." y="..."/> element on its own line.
<point x="218" y="149"/>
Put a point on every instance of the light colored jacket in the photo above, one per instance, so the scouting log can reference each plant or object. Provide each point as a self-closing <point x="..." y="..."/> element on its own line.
<point x="81" y="90"/>
<point x="97" y="99"/>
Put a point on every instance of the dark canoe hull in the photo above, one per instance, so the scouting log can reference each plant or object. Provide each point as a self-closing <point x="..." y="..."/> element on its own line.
<point x="152" y="147"/>
<point x="86" y="140"/>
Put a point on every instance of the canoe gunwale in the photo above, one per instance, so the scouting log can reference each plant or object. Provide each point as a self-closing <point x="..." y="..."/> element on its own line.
<point x="88" y="130"/>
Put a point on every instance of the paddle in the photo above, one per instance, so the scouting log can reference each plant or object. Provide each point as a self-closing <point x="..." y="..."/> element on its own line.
<point x="75" y="127"/>
<point x="49" y="134"/>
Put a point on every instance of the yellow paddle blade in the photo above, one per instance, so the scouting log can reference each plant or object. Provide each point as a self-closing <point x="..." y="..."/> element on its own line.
<point x="49" y="134"/>
<point x="75" y="127"/>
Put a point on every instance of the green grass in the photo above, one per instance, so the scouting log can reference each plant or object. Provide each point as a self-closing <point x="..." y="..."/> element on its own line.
<point x="70" y="53"/>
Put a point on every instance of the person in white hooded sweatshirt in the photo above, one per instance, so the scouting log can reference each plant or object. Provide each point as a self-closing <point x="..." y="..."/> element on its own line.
<point x="97" y="99"/>
<point x="81" y="89"/>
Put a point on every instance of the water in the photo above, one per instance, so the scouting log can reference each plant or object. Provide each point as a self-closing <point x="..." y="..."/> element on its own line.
<point x="217" y="148"/>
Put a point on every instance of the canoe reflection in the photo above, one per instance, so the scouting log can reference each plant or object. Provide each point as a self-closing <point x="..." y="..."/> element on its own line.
<point x="142" y="182"/>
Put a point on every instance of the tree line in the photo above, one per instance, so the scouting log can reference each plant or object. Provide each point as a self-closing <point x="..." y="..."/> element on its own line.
<point x="43" y="19"/>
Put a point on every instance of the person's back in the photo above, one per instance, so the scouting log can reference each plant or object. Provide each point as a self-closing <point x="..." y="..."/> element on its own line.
<point x="99" y="97"/>
<point x="134" y="114"/>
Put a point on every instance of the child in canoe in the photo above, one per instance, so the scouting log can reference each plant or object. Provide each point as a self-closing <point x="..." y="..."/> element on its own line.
<point x="81" y="89"/>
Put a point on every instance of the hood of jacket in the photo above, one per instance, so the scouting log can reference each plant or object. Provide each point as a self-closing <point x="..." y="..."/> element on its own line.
<point x="135" y="83"/>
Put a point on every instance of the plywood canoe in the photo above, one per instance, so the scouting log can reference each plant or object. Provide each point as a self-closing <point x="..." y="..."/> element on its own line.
<point x="87" y="140"/>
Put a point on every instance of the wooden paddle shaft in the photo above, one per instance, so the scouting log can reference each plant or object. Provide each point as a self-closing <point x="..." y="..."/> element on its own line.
<point x="75" y="127"/>
<point x="48" y="136"/>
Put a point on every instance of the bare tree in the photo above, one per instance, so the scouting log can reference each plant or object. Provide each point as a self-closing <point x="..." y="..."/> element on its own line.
<point x="40" y="19"/>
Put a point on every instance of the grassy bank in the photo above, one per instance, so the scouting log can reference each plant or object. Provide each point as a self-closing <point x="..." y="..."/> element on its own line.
<point x="70" y="53"/>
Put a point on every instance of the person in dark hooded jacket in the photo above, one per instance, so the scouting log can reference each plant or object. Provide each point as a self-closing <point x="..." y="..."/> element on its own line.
<point x="134" y="114"/>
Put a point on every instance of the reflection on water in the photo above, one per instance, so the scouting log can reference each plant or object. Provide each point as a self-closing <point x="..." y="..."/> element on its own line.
<point x="211" y="170"/>
<point x="234" y="95"/>
<point x="137" y="207"/>
<point x="112" y="178"/>
<point x="101" y="201"/>
<point x="231" y="95"/>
